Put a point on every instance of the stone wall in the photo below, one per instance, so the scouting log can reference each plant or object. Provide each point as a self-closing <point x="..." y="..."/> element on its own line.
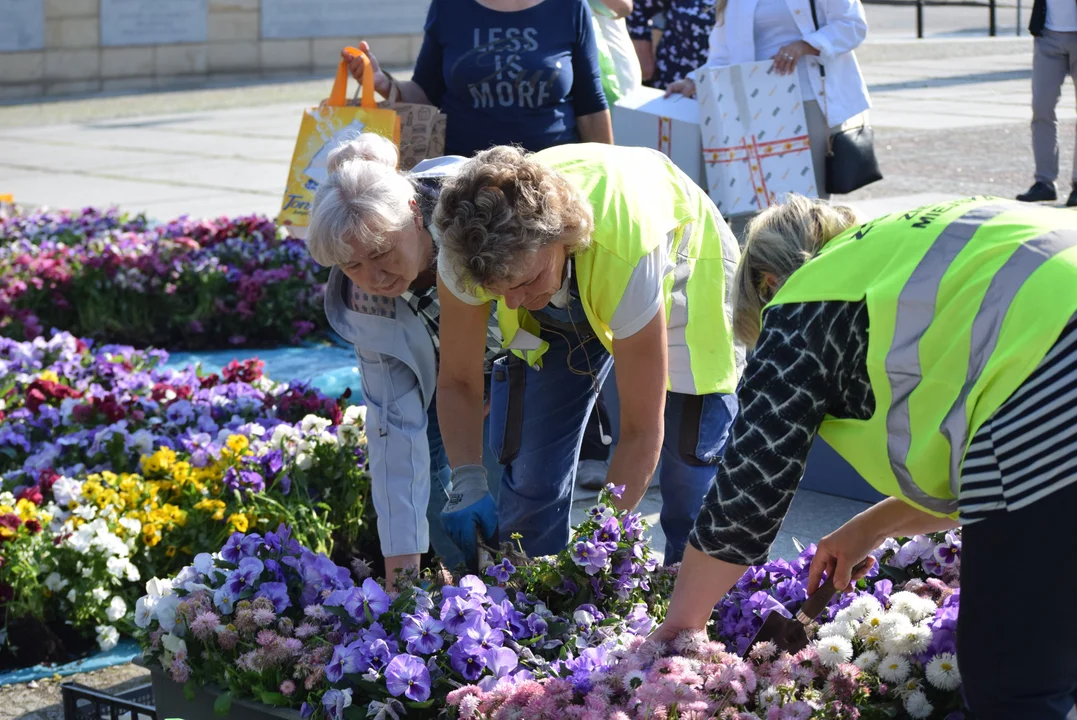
<point x="75" y="59"/>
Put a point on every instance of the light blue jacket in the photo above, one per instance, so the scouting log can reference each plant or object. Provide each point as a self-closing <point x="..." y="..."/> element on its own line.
<point x="398" y="369"/>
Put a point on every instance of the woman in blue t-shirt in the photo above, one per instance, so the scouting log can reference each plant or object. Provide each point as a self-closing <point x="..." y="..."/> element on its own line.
<point x="507" y="72"/>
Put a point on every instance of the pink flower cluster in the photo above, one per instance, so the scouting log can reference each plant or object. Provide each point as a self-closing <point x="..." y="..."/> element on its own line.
<point x="702" y="680"/>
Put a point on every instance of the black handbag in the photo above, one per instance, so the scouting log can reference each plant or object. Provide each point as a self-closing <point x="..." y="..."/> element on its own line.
<point x="850" y="152"/>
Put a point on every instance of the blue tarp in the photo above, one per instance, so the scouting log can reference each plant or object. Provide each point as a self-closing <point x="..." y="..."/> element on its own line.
<point x="126" y="651"/>
<point x="330" y="368"/>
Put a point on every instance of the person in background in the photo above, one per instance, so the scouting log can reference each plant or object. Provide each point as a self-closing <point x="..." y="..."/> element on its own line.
<point x="1054" y="56"/>
<point x="612" y="33"/>
<point x="936" y="351"/>
<point x="683" y="46"/>
<point x="594" y="254"/>
<point x="370" y="224"/>
<point x="783" y="31"/>
<point x="506" y="72"/>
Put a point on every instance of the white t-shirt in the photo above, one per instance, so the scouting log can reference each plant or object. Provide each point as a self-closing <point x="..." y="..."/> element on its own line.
<point x="641" y="301"/>
<point x="1061" y="15"/>
<point x="774" y="28"/>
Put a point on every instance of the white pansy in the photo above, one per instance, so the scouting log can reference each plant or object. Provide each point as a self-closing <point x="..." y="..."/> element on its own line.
<point x="159" y="588"/>
<point x="107" y="637"/>
<point x="834" y="650"/>
<point x="942" y="672"/>
<point x="303" y="461"/>
<point x="131" y="525"/>
<point x="256" y="430"/>
<point x="893" y="669"/>
<point x="142" y="441"/>
<point x="145" y="610"/>
<point x="175" y="646"/>
<point x="85" y="512"/>
<point x="55" y="583"/>
<point x="282" y="432"/>
<point x="918" y="706"/>
<point x="116" y="566"/>
<point x="355" y="414"/>
<point x="203" y="563"/>
<point x="349" y="435"/>
<point x="117" y="608"/>
<point x="99" y="594"/>
<point x="314" y="423"/>
<point x="71" y="596"/>
<point x="166" y="612"/>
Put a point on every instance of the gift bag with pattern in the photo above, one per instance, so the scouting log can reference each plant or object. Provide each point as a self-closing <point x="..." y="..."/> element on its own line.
<point x="755" y="137"/>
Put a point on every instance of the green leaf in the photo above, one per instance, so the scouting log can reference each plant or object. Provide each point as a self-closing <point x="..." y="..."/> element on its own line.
<point x="274" y="698"/>
<point x="189" y="690"/>
<point x="420" y="705"/>
<point x="223" y="703"/>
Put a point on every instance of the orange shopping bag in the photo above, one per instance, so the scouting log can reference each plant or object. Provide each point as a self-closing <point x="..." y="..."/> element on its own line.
<point x="322" y="129"/>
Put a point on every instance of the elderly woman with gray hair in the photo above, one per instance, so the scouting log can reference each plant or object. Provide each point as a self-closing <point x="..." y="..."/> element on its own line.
<point x="371" y="224"/>
<point x="936" y="350"/>
<point x="592" y="253"/>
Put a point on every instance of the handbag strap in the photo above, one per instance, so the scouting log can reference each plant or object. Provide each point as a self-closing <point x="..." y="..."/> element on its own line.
<point x="822" y="75"/>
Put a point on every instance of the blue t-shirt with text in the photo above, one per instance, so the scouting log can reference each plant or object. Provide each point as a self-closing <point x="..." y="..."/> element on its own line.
<point x="510" y="77"/>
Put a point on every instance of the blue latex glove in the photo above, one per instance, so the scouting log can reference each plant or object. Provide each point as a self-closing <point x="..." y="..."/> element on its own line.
<point x="469" y="511"/>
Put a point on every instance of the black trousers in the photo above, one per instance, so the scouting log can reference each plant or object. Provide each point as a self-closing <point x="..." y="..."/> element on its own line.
<point x="1017" y="628"/>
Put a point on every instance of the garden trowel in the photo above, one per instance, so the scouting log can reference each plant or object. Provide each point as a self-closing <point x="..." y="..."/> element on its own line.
<point x="790" y="634"/>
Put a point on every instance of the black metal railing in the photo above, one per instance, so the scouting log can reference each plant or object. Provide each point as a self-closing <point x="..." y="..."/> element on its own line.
<point x="992" y="6"/>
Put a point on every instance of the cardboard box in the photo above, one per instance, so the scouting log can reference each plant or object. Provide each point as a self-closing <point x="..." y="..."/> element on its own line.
<point x="644" y="118"/>
<point x="755" y="138"/>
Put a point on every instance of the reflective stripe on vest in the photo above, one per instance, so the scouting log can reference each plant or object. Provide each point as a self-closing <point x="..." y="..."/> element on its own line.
<point x="916" y="311"/>
<point x="958" y="320"/>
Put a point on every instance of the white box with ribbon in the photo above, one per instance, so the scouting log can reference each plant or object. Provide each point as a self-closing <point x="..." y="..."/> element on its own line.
<point x="755" y="136"/>
<point x="644" y="118"/>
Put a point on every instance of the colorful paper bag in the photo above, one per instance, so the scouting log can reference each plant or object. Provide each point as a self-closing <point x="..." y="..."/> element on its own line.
<point x="755" y="137"/>
<point x="324" y="128"/>
<point x="422" y="129"/>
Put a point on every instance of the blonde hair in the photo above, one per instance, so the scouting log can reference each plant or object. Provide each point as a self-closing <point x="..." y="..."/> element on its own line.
<point x="779" y="241"/>
<point x="502" y="206"/>
<point x="363" y="199"/>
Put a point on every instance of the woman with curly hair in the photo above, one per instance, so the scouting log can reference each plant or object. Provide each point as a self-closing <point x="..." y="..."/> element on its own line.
<point x="592" y="253"/>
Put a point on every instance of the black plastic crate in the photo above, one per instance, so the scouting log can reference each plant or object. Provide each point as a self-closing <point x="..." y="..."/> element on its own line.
<point x="85" y="703"/>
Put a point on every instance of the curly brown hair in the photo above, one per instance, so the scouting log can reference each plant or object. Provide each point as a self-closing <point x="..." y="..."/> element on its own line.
<point x="502" y="206"/>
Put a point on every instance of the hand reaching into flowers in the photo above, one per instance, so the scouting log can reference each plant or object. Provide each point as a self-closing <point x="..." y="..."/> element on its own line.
<point x="785" y="60"/>
<point x="845" y="547"/>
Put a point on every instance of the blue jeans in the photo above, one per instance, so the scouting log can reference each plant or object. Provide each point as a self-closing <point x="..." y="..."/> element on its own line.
<point x="440" y="476"/>
<point x="546" y="418"/>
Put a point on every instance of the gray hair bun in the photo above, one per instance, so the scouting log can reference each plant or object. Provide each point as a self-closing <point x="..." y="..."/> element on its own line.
<point x="369" y="147"/>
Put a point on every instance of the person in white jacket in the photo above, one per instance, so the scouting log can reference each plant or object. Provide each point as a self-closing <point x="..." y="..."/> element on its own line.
<point x="371" y="224"/>
<point x="784" y="31"/>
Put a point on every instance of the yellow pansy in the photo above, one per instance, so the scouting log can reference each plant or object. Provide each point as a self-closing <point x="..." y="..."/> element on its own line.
<point x="214" y="507"/>
<point x="238" y="521"/>
<point x="50" y="376"/>
<point x="26" y="510"/>
<point x="237" y="443"/>
<point x="150" y="534"/>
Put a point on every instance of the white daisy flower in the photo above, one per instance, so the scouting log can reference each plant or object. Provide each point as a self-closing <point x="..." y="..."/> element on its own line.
<point x="871" y="624"/>
<point x="911" y="605"/>
<point x="864" y="606"/>
<point x="769" y="696"/>
<point x="867" y="660"/>
<point x="942" y="672"/>
<point x="846" y="630"/>
<point x="893" y="669"/>
<point x="918" y="706"/>
<point x="834" y="650"/>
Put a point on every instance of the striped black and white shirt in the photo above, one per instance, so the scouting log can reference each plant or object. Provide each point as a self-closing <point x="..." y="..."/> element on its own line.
<point x="811" y="361"/>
